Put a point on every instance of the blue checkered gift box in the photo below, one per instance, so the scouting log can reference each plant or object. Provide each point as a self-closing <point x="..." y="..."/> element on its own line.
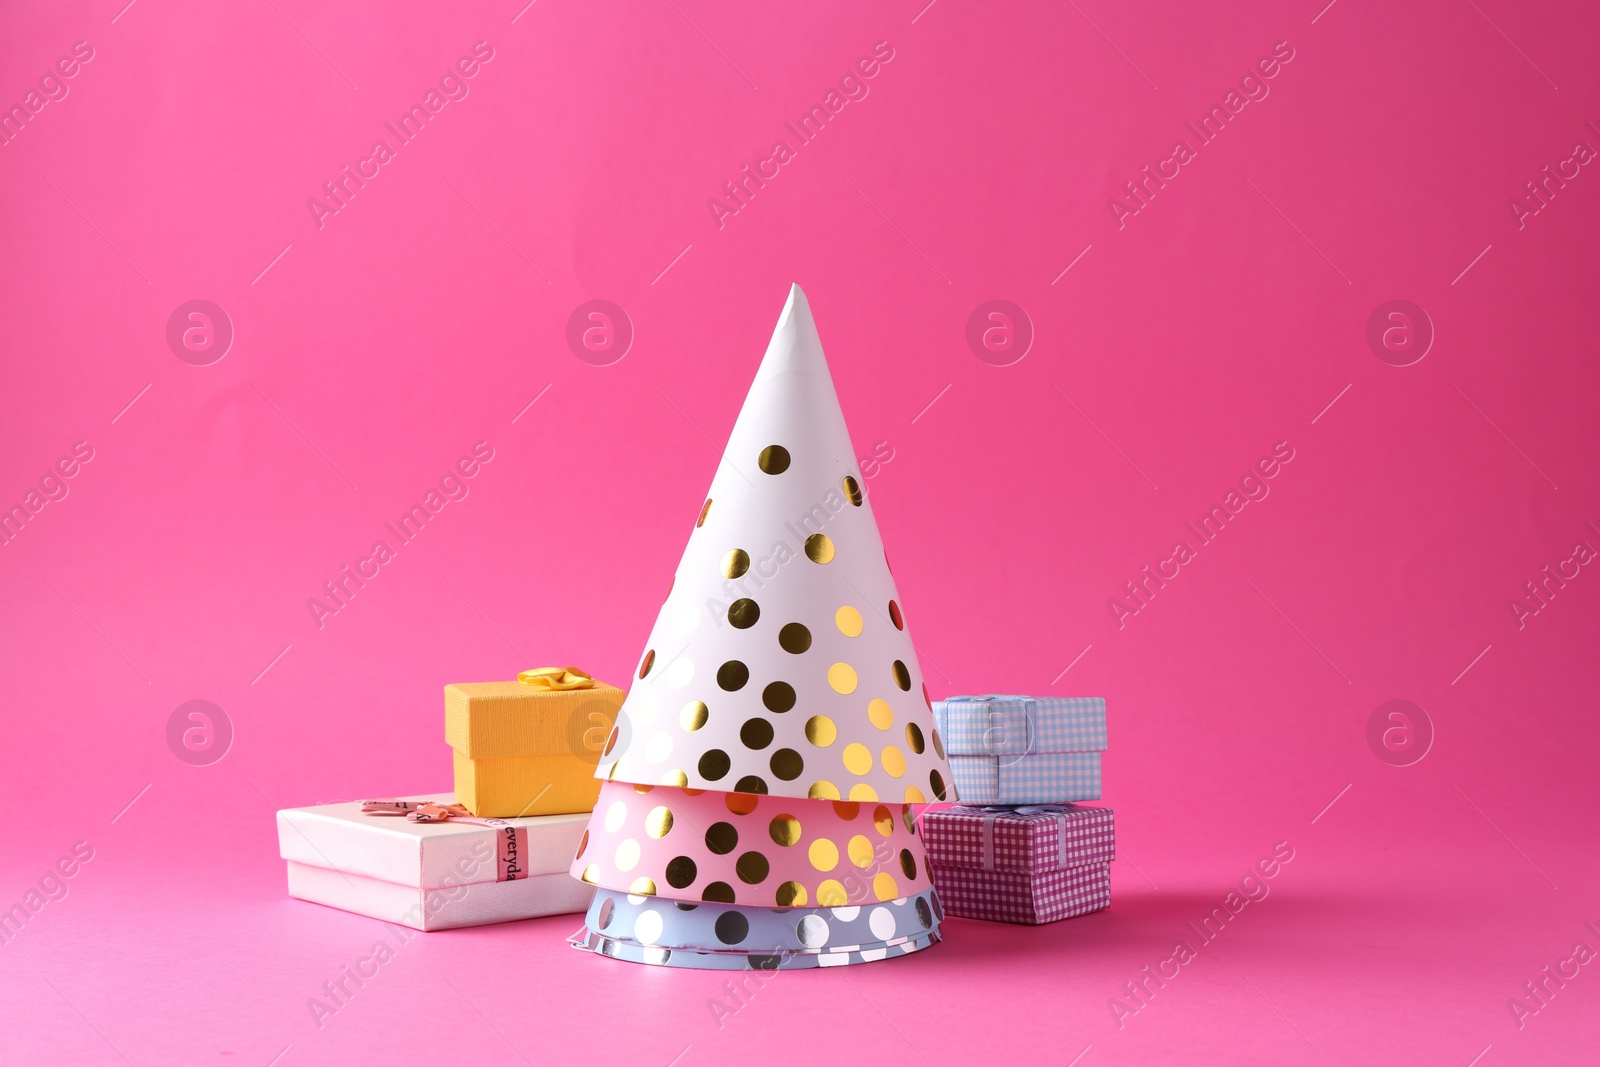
<point x="1023" y="750"/>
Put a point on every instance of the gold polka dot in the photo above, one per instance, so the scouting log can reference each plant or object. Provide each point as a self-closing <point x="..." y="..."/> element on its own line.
<point x="830" y="894"/>
<point x="714" y="764"/>
<point x="884" y="887"/>
<point x="852" y="489"/>
<point x="860" y="850"/>
<point x="756" y="733"/>
<point x="659" y="822"/>
<point x="689" y="792"/>
<point x="787" y="764"/>
<point x="794" y="638"/>
<point x="718" y="893"/>
<point x="791" y="895"/>
<point x="627" y="855"/>
<point x="693" y="716"/>
<point x="704" y="511"/>
<point x="743" y="613"/>
<point x="863" y="791"/>
<point x="750" y="783"/>
<point x="908" y="863"/>
<point x="914" y="737"/>
<point x="894" y="616"/>
<point x="784" y="830"/>
<point x="883" y="820"/>
<point x="681" y="872"/>
<point x="848" y="620"/>
<point x="740" y="803"/>
<point x="642" y="789"/>
<point x="591" y="874"/>
<point x="753" y="868"/>
<point x="735" y="562"/>
<point x="881" y="714"/>
<point x="902" y="676"/>
<point x="778" y="697"/>
<point x="611" y="742"/>
<point x="910" y="819"/>
<point x="819" y="548"/>
<point x="732" y="675"/>
<point x="774" y="459"/>
<point x="722" y="838"/>
<point x="938" y="744"/>
<point x="648" y="662"/>
<point x="823" y="790"/>
<point x="842" y="677"/>
<point x="893" y="761"/>
<point x="914" y="795"/>
<point x="583" y="846"/>
<point x="846" y="809"/>
<point x="820" y="731"/>
<point x="677" y="778"/>
<point x="824" y="854"/>
<point x="857" y="759"/>
<point x="936" y="780"/>
<point x="643" y="887"/>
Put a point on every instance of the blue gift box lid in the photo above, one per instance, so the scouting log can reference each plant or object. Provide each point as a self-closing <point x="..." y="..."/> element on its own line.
<point x="1012" y="725"/>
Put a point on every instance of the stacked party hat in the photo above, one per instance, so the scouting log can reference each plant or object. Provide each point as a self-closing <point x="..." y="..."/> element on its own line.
<point x="756" y="810"/>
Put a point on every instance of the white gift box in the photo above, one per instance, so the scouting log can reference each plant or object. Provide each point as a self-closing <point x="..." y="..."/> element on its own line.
<point x="432" y="876"/>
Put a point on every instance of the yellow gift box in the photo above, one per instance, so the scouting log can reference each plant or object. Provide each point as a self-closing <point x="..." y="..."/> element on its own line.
<point x="529" y="747"/>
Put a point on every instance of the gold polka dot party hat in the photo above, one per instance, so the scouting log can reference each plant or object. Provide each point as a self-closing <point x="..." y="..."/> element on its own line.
<point x="757" y="805"/>
<point x="781" y="662"/>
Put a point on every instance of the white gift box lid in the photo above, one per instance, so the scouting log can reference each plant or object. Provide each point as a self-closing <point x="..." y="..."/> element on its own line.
<point x="438" y="855"/>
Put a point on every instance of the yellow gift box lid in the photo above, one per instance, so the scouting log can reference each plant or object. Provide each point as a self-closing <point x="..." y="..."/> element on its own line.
<point x="491" y="720"/>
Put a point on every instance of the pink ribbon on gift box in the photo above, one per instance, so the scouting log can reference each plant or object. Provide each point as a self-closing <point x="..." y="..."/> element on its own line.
<point x="420" y="810"/>
<point x="994" y="811"/>
<point x="511" y="841"/>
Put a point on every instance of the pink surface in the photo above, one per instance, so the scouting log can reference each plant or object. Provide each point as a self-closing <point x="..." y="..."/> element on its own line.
<point x="832" y="852"/>
<point x="1164" y="353"/>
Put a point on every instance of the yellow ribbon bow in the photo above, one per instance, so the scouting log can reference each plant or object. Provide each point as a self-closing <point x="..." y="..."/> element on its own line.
<point x="556" y="678"/>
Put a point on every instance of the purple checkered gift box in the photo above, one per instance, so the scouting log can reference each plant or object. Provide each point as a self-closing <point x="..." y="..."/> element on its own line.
<point x="1020" y="865"/>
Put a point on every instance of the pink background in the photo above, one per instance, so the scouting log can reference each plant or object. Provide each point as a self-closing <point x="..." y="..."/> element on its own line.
<point x="1224" y="317"/>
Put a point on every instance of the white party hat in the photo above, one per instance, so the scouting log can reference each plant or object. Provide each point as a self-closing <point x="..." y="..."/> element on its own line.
<point x="780" y="662"/>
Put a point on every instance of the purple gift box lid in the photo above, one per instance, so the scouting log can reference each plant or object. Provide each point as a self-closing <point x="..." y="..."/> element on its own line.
<point x="1027" y="839"/>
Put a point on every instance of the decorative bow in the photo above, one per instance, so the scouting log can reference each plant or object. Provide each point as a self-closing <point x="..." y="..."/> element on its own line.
<point x="511" y="841"/>
<point x="992" y="812"/>
<point x="1003" y="735"/>
<point x="556" y="678"/>
<point x="420" y="810"/>
<point x="1027" y="809"/>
